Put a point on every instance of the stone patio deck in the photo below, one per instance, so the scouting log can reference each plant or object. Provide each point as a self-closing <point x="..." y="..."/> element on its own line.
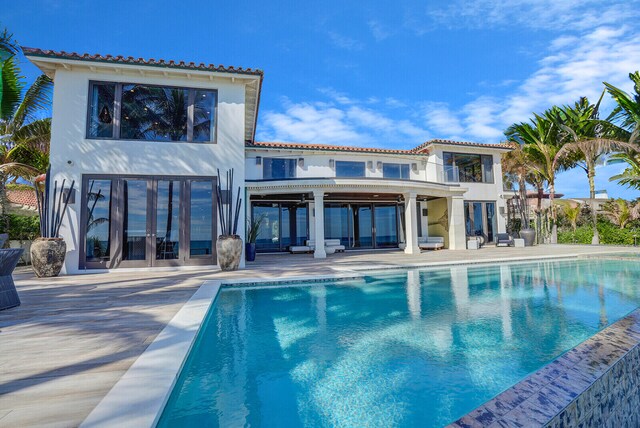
<point x="74" y="336"/>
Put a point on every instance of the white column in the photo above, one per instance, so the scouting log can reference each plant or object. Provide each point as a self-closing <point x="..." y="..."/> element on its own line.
<point x="411" y="224"/>
<point x="457" y="232"/>
<point x="318" y="202"/>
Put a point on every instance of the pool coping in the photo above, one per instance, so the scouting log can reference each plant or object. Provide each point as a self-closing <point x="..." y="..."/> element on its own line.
<point x="153" y="375"/>
<point x="548" y="392"/>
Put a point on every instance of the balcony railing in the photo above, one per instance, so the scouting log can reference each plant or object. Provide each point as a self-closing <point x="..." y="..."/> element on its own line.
<point x="450" y="174"/>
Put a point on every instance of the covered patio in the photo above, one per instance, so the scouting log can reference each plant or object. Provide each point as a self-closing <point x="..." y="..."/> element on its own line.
<point x="363" y="213"/>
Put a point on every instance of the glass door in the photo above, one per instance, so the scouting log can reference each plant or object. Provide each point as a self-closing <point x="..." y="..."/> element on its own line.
<point x="337" y="224"/>
<point x="480" y="219"/>
<point x="136" y="227"/>
<point x="386" y="225"/>
<point x="202" y="222"/>
<point x="165" y="229"/>
<point x="361" y="226"/>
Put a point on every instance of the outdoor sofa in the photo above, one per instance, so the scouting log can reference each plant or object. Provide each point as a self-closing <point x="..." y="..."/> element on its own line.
<point x="330" y="245"/>
<point x="431" y="243"/>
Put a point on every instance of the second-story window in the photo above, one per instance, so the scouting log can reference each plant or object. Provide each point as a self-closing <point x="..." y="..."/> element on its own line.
<point x="350" y="169"/>
<point x="396" y="170"/>
<point x="131" y="111"/>
<point x="467" y="167"/>
<point x="278" y="168"/>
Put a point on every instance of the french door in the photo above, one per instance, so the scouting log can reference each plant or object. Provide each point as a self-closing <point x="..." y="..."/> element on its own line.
<point x="480" y="219"/>
<point x="362" y="225"/>
<point x="131" y="221"/>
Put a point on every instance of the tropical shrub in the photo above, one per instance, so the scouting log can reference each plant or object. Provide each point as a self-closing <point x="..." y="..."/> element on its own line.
<point x="22" y="227"/>
<point x="610" y="234"/>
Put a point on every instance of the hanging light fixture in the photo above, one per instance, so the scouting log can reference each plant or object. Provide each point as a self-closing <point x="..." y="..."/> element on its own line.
<point x="105" y="116"/>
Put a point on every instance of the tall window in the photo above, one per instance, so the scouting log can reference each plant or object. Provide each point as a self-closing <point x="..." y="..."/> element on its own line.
<point x="350" y="169"/>
<point x="274" y="168"/>
<point x="396" y="170"/>
<point x="467" y="167"/>
<point x="131" y="111"/>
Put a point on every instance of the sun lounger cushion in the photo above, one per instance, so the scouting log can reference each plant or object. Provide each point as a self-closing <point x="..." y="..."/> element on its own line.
<point x="431" y="243"/>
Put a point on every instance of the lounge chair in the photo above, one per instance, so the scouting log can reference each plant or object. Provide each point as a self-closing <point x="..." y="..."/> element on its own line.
<point x="431" y="243"/>
<point x="504" y="239"/>
<point x="335" y="244"/>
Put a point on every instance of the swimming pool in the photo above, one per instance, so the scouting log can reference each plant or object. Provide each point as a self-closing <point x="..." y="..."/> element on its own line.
<point x="396" y="348"/>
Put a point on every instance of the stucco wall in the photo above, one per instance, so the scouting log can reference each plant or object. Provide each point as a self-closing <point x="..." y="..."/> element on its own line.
<point x="72" y="155"/>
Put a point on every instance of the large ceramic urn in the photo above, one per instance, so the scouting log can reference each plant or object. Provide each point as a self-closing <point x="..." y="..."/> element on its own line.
<point x="229" y="249"/>
<point x="47" y="256"/>
<point x="529" y="236"/>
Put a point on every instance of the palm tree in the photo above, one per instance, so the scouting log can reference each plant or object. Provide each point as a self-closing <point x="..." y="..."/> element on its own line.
<point x="539" y="140"/>
<point x="24" y="133"/>
<point x="619" y="212"/>
<point x="571" y="211"/>
<point x="516" y="170"/>
<point x="627" y="113"/>
<point x="590" y="139"/>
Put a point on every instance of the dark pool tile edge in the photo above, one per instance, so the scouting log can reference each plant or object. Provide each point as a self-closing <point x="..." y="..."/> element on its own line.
<point x="580" y="385"/>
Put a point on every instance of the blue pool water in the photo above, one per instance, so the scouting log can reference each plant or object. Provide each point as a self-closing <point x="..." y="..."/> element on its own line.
<point x="401" y="348"/>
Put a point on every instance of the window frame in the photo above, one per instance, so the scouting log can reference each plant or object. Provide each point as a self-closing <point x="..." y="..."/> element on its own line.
<point x="364" y="169"/>
<point x="400" y="167"/>
<point x="455" y="165"/>
<point x="117" y="110"/>
<point x="294" y="164"/>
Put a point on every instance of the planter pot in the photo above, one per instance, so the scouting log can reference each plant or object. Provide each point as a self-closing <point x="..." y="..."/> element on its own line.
<point x="529" y="236"/>
<point x="47" y="256"/>
<point x="229" y="248"/>
<point x="250" y="251"/>
<point x="8" y="294"/>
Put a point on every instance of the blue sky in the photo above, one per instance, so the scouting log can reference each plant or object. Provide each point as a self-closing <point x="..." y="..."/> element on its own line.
<point x="384" y="74"/>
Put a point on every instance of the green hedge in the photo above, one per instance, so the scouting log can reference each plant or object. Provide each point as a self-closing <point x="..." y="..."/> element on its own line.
<point x="609" y="234"/>
<point x="22" y="228"/>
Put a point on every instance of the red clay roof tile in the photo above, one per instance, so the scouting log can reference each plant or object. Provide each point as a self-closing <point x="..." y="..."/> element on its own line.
<point x="328" y="147"/>
<point x="35" y="52"/>
<point x="22" y="197"/>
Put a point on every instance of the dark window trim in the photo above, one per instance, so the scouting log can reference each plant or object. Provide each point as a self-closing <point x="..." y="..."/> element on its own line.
<point x="493" y="175"/>
<point x="118" y="107"/>
<point x="116" y="213"/>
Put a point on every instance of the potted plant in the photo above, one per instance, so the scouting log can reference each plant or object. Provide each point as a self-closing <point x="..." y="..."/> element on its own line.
<point x="229" y="244"/>
<point x="49" y="250"/>
<point x="253" y="230"/>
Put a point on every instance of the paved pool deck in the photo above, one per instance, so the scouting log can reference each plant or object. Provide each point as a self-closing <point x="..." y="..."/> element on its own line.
<point x="75" y="336"/>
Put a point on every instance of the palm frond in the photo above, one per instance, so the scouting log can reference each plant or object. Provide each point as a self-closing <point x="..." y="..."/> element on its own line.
<point x="36" y="99"/>
<point x="36" y="134"/>
<point x="11" y="89"/>
<point x="8" y="44"/>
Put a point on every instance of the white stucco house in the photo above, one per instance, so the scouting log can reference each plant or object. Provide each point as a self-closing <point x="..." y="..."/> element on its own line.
<point x="143" y="140"/>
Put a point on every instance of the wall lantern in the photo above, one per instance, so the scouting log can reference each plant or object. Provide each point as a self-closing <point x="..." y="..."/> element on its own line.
<point x="301" y="162"/>
<point x="425" y="212"/>
<point x="414" y="167"/>
<point x="258" y="160"/>
<point x="332" y="163"/>
<point x="370" y="164"/>
<point x="379" y="165"/>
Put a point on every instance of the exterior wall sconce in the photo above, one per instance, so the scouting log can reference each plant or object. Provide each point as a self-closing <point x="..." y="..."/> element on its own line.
<point x="414" y="167"/>
<point x="370" y="165"/>
<point x="379" y="165"/>
<point x="301" y="162"/>
<point x="425" y="212"/>
<point x="332" y="163"/>
<point x="258" y="160"/>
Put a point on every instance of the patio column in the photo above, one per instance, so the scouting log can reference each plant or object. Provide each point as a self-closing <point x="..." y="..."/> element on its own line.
<point x="457" y="232"/>
<point x="318" y="203"/>
<point x="411" y="224"/>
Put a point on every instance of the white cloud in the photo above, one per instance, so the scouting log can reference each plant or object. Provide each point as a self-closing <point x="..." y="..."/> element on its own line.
<point x="442" y="120"/>
<point x="378" y="30"/>
<point x="344" y="42"/>
<point x="553" y="15"/>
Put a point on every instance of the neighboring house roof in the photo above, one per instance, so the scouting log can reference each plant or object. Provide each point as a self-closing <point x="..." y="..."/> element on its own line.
<point x="329" y="148"/>
<point x="35" y="52"/>
<point x="48" y="60"/>
<point x="438" y="141"/>
<point x="25" y="198"/>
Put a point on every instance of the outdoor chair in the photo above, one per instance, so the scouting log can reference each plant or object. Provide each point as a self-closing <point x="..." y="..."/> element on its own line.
<point x="504" y="239"/>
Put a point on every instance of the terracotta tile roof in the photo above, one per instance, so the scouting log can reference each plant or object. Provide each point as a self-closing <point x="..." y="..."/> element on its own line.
<point x="35" y="52"/>
<point x="24" y="197"/>
<point x="460" y="143"/>
<point x="328" y="147"/>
